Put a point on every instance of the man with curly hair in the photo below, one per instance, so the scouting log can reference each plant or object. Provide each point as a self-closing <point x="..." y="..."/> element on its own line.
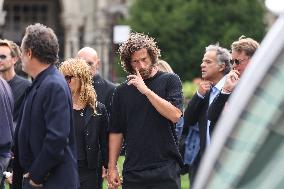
<point x="145" y="109"/>
<point x="45" y="142"/>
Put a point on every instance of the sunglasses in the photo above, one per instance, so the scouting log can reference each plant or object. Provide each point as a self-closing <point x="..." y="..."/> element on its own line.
<point x="3" y="57"/>
<point x="237" y="61"/>
<point x="90" y="63"/>
<point x="68" y="78"/>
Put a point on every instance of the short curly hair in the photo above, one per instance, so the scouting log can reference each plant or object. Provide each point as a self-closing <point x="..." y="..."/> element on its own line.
<point x="43" y="43"/>
<point x="137" y="41"/>
<point x="79" y="68"/>
<point x="248" y="45"/>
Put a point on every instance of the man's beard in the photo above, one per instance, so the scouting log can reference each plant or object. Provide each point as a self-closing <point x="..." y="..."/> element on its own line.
<point x="146" y="73"/>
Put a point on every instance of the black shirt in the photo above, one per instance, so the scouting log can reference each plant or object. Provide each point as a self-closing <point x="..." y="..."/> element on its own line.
<point x="104" y="90"/>
<point x="80" y="133"/>
<point x="18" y="86"/>
<point x="150" y="138"/>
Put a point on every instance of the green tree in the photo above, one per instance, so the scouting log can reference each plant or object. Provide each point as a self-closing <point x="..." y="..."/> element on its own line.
<point x="183" y="28"/>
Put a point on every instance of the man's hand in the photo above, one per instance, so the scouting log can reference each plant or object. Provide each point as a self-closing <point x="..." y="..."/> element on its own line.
<point x="138" y="82"/>
<point x="31" y="182"/>
<point x="231" y="81"/>
<point x="104" y="173"/>
<point x="113" y="179"/>
<point x="204" y="86"/>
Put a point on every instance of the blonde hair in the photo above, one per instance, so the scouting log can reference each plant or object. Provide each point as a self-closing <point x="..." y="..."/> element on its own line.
<point x="248" y="45"/>
<point x="79" y="68"/>
<point x="14" y="48"/>
<point x="164" y="66"/>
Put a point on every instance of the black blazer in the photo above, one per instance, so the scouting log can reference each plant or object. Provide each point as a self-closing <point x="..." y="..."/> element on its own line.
<point x="96" y="136"/>
<point x="44" y="136"/>
<point x="104" y="90"/>
<point x="216" y="108"/>
<point x="196" y="111"/>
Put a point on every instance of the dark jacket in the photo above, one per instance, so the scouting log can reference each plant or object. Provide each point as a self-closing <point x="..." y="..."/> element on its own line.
<point x="104" y="90"/>
<point x="216" y="108"/>
<point x="45" y="133"/>
<point x="96" y="137"/>
<point x="196" y="112"/>
<point x="6" y="119"/>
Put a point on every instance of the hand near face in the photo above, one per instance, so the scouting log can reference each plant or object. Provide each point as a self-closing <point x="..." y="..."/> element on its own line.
<point x="231" y="81"/>
<point x="204" y="86"/>
<point x="138" y="82"/>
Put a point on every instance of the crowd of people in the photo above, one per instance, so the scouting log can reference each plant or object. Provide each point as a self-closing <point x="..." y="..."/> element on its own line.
<point x="65" y="127"/>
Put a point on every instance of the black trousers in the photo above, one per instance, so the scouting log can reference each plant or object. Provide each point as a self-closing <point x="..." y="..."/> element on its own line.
<point x="88" y="177"/>
<point x="165" y="177"/>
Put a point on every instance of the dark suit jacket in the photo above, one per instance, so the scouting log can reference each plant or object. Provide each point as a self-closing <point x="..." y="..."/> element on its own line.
<point x="96" y="137"/>
<point x="104" y="90"/>
<point x="45" y="133"/>
<point x="216" y="108"/>
<point x="196" y="111"/>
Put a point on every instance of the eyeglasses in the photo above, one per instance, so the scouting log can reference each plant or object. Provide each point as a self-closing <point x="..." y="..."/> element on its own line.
<point x="237" y="61"/>
<point x="68" y="78"/>
<point x="3" y="57"/>
<point x="90" y="63"/>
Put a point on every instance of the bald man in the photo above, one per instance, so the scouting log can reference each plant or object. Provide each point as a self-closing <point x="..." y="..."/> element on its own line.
<point x="104" y="88"/>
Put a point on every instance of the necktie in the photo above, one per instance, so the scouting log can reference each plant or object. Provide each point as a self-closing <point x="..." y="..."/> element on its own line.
<point x="213" y="93"/>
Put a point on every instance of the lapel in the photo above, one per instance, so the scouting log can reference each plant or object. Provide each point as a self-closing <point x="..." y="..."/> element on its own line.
<point x="89" y="113"/>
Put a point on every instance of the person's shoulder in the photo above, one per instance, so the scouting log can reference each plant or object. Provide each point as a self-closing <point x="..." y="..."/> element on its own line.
<point x="23" y="81"/>
<point x="168" y="76"/>
<point x="100" y="105"/>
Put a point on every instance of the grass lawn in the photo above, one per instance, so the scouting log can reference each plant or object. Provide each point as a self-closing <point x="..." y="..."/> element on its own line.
<point x="184" y="178"/>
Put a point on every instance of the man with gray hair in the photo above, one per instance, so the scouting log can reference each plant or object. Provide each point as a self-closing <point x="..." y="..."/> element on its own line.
<point x="44" y="135"/>
<point x="215" y="65"/>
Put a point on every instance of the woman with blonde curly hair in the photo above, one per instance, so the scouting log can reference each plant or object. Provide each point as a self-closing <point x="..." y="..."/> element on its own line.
<point x="90" y="121"/>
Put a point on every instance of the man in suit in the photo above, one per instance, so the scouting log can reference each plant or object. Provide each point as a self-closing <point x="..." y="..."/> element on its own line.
<point x="6" y="126"/>
<point x="45" y="132"/>
<point x="215" y="65"/>
<point x="103" y="88"/>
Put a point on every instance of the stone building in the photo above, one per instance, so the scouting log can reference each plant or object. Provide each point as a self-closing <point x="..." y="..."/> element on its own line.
<point x="77" y="23"/>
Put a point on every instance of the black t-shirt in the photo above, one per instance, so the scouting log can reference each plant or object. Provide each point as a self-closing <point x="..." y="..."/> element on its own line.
<point x="19" y="86"/>
<point x="79" y="125"/>
<point x="150" y="139"/>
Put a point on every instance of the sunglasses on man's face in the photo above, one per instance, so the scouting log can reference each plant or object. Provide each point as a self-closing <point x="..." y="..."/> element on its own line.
<point x="237" y="61"/>
<point x="3" y="57"/>
<point x="68" y="78"/>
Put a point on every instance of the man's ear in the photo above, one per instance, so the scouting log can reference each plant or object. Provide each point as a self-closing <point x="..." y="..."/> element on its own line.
<point x="15" y="60"/>
<point x="222" y="67"/>
<point x="98" y="64"/>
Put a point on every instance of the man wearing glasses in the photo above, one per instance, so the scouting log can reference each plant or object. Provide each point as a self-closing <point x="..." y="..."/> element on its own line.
<point x="9" y="56"/>
<point x="242" y="52"/>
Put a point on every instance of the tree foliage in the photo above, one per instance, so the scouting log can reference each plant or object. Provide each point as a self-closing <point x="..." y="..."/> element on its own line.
<point x="183" y="28"/>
